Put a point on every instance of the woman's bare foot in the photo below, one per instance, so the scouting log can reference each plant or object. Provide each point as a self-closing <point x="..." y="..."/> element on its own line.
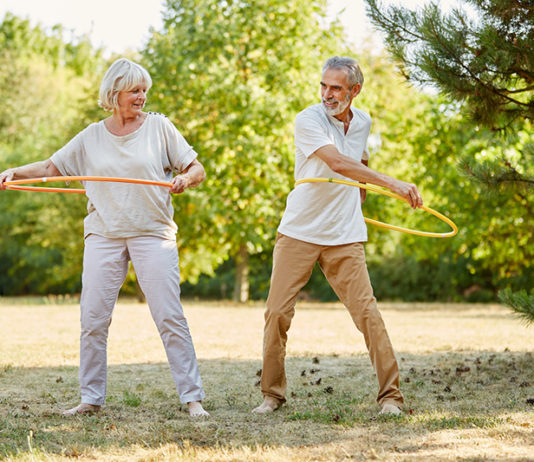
<point x="82" y="409"/>
<point x="196" y="409"/>
<point x="269" y="405"/>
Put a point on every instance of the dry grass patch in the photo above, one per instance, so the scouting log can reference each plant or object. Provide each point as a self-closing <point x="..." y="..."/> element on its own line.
<point x="467" y="375"/>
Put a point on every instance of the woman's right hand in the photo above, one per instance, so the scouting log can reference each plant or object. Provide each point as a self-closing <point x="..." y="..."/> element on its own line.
<point x="6" y="175"/>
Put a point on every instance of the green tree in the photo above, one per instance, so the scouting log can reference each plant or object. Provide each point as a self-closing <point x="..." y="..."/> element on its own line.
<point x="47" y="85"/>
<point x="421" y="137"/>
<point x="484" y="57"/>
<point x="418" y="137"/>
<point x="486" y="63"/>
<point x="232" y="76"/>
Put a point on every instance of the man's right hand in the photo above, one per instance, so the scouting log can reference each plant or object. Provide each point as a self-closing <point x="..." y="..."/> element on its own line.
<point x="409" y="192"/>
<point x="358" y="171"/>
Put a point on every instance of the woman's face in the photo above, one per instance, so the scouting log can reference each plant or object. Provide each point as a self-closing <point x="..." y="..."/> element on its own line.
<point x="132" y="101"/>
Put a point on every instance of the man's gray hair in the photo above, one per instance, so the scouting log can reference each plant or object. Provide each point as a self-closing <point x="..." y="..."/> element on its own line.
<point x="349" y="65"/>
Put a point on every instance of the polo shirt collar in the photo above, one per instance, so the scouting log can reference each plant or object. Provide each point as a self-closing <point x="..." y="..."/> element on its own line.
<point x="338" y="122"/>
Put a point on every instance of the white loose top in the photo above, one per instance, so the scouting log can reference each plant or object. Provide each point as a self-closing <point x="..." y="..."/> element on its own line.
<point x="326" y="213"/>
<point x="121" y="210"/>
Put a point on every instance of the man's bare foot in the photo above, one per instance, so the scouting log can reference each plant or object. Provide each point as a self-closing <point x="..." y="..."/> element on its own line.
<point x="269" y="405"/>
<point x="196" y="409"/>
<point x="390" y="409"/>
<point x="82" y="409"/>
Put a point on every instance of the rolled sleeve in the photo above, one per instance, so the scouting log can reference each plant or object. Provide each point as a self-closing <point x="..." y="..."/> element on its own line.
<point x="67" y="159"/>
<point x="310" y="135"/>
<point x="179" y="151"/>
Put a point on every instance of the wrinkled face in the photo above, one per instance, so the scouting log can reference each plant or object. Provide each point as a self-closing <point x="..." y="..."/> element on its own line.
<point x="336" y="95"/>
<point x="132" y="101"/>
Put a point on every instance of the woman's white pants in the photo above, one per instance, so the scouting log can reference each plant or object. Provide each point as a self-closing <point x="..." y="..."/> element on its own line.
<point x="105" y="266"/>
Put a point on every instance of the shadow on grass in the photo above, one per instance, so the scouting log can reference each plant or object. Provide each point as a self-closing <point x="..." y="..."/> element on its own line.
<point x="330" y="399"/>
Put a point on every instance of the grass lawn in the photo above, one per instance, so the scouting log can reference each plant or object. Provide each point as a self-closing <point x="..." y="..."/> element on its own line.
<point x="467" y="373"/>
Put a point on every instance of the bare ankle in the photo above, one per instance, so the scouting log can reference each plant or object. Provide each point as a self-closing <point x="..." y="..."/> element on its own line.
<point x="196" y="410"/>
<point x="269" y="405"/>
<point x="82" y="409"/>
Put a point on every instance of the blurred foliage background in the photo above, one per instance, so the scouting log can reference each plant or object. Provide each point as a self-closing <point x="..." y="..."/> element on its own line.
<point x="232" y="76"/>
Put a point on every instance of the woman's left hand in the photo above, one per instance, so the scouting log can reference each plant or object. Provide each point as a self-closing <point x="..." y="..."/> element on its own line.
<point x="180" y="183"/>
<point x="190" y="177"/>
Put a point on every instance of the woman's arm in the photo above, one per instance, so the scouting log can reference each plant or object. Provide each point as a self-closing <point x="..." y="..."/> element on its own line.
<point x="44" y="168"/>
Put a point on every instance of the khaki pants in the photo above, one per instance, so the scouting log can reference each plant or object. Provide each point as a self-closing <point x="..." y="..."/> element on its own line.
<point x="345" y="269"/>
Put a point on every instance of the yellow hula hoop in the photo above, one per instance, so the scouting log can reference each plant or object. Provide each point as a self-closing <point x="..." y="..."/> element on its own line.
<point x="390" y="194"/>
<point x="17" y="184"/>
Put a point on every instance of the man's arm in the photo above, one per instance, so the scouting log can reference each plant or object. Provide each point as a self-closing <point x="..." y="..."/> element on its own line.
<point x="363" y="192"/>
<point x="350" y="168"/>
<point x="44" y="168"/>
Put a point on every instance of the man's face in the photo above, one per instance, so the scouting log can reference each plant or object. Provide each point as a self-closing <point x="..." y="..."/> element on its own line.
<point x="336" y="95"/>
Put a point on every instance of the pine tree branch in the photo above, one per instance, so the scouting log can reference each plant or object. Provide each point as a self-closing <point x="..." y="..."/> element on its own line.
<point x="520" y="302"/>
<point x="520" y="90"/>
<point x="474" y="76"/>
<point x="385" y="21"/>
<point x="466" y="77"/>
<point x="494" y="176"/>
<point x="523" y="74"/>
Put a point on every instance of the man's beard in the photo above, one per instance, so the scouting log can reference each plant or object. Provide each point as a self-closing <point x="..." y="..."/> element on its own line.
<point x="340" y="107"/>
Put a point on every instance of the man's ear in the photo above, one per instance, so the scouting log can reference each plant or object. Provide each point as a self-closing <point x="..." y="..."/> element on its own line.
<point x="355" y="90"/>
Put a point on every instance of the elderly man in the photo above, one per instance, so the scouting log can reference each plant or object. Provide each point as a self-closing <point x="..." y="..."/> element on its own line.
<point x="323" y="223"/>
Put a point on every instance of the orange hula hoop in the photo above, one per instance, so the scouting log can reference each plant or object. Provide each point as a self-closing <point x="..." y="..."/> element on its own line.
<point x="18" y="185"/>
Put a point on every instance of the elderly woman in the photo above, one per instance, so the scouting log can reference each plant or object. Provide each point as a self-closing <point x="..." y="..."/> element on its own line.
<point x="128" y="222"/>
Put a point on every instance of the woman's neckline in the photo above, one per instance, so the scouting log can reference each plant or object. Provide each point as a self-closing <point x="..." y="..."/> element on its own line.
<point x="145" y="117"/>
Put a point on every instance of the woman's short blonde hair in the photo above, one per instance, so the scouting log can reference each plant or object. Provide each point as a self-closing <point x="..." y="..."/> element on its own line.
<point x="122" y="75"/>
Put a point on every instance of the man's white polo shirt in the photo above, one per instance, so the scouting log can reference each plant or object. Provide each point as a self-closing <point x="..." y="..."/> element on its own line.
<point x="326" y="213"/>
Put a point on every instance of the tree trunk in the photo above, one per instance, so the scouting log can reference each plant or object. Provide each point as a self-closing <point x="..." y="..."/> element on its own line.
<point x="241" y="287"/>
